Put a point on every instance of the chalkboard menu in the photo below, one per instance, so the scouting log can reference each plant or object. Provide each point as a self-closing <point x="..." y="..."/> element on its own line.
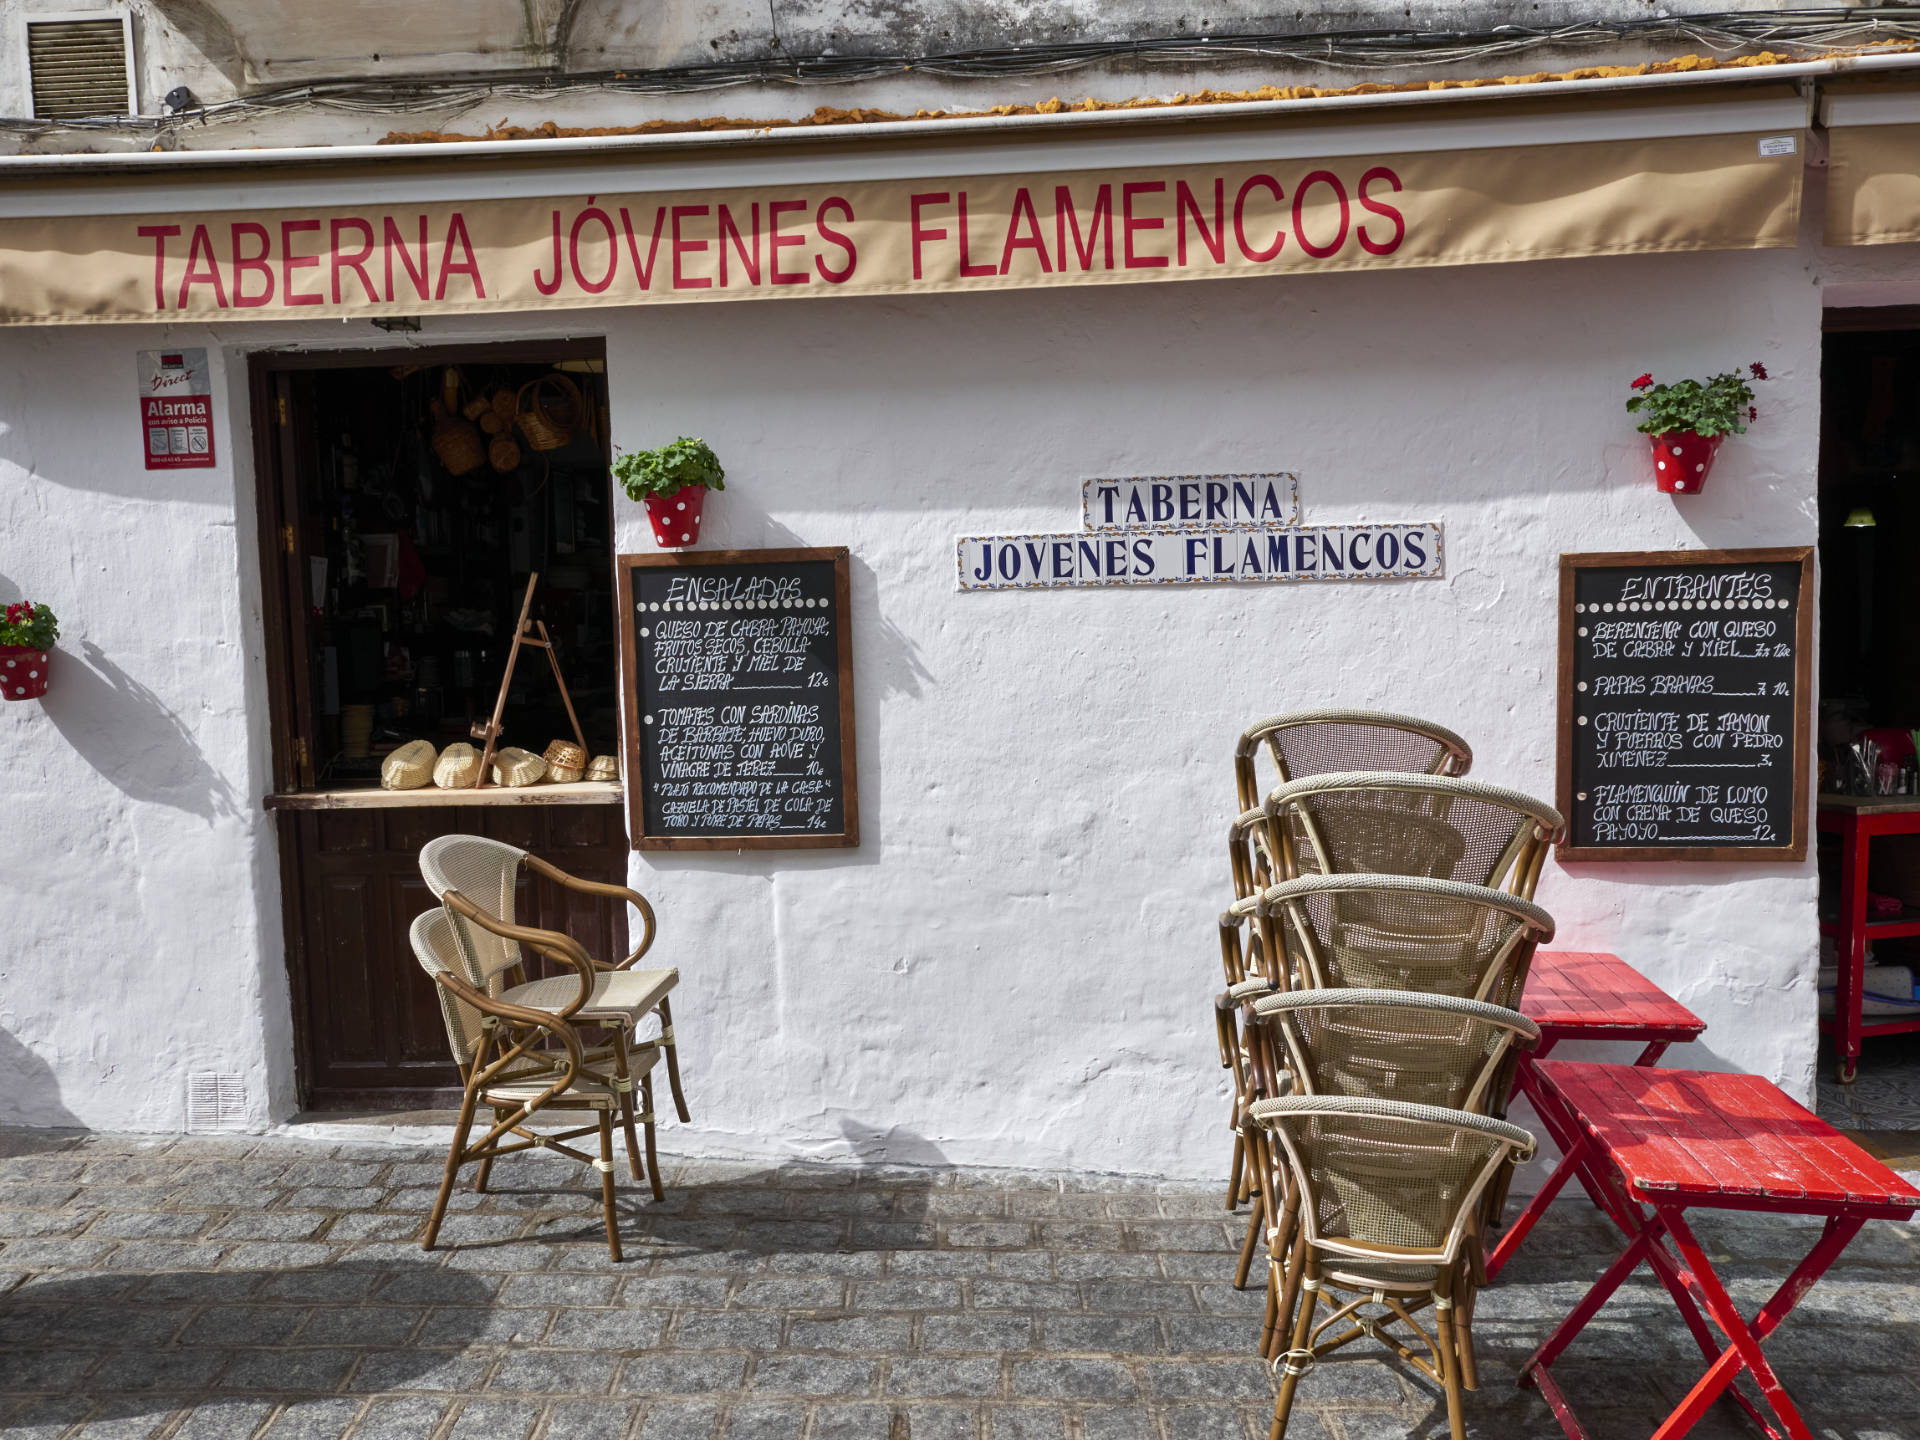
<point x="1685" y="697"/>
<point x="737" y="683"/>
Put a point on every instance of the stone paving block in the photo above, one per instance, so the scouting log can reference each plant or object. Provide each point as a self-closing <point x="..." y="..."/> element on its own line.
<point x="1223" y="1299"/>
<point x="1023" y="1264"/>
<point x="160" y="1369"/>
<point x="168" y="1255"/>
<point x="262" y="1225"/>
<point x="329" y="1197"/>
<point x="1213" y="1334"/>
<point x="679" y="1420"/>
<point x="851" y="1333"/>
<point x="1107" y="1265"/>
<point x="439" y="1287"/>
<point x="678" y="1373"/>
<point x="406" y="1417"/>
<point x="677" y="1290"/>
<point x="146" y="1225"/>
<point x="1244" y="1379"/>
<point x="469" y="1324"/>
<point x="1119" y="1422"/>
<point x="51" y="1254"/>
<point x="28" y="1371"/>
<point x="457" y="1371"/>
<point x="113" y="1324"/>
<point x="727" y="1330"/>
<point x="313" y="1420"/>
<point x="906" y="1294"/>
<point x="608" y="1329"/>
<point x="790" y="1292"/>
<point x="936" y="1422"/>
<point x="985" y="1331"/>
<point x="559" y="1290"/>
<point x="124" y="1418"/>
<point x="490" y="1419"/>
<point x="330" y="1174"/>
<point x="243" y="1325"/>
<point x="814" y="1375"/>
<point x="933" y="1376"/>
<point x="226" y="1419"/>
<point x="991" y="1233"/>
<point x="43" y="1419"/>
<point x="1026" y="1423"/>
<point x="1023" y="1295"/>
<point x="588" y="1420"/>
<point x="556" y="1372"/>
<point x="364" y="1226"/>
<point x="288" y="1369"/>
<point x="1083" y="1235"/>
<point x="1224" y="1422"/>
<point x="376" y="1325"/>
<point x="1074" y="1379"/>
<point x="756" y="1421"/>
<point x="939" y="1263"/>
<point x="1140" y="1298"/>
<point x="30" y="1224"/>
<point x="193" y="1287"/>
<point x="36" y="1197"/>
<point x="1126" y="1334"/>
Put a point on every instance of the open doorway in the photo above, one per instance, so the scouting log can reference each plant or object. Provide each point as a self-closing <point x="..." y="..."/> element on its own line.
<point x="406" y="499"/>
<point x="1869" y="823"/>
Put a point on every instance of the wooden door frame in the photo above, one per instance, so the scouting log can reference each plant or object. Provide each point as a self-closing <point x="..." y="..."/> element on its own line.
<point x="267" y="371"/>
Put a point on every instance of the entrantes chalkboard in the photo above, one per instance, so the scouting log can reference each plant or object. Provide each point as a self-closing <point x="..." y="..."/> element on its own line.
<point x="737" y="681"/>
<point x="1685" y="700"/>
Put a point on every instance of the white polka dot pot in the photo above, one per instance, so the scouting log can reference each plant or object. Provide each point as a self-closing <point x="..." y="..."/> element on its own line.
<point x="675" y="516"/>
<point x="1682" y="461"/>
<point x="23" y="672"/>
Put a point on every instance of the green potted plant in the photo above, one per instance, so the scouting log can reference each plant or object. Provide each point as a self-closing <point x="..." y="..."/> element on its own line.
<point x="1689" y="419"/>
<point x="26" y="645"/>
<point x="673" y="481"/>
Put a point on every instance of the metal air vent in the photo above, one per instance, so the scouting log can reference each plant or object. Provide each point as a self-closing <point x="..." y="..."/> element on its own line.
<point x="81" y="68"/>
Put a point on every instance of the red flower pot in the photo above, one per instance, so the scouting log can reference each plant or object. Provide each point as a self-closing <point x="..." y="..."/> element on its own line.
<point x="23" y="672"/>
<point x="675" y="516"/>
<point x="1682" y="459"/>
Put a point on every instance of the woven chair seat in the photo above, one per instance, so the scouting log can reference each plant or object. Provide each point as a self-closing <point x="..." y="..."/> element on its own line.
<point x="1360" y="1274"/>
<point x="618" y="995"/>
<point x="593" y="1089"/>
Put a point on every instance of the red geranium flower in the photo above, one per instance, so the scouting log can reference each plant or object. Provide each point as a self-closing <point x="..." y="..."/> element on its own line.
<point x="1759" y="370"/>
<point x="1753" y="412"/>
<point x="1643" y="382"/>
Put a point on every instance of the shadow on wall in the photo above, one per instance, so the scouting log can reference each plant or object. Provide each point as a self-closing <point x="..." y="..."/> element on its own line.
<point x="33" y="1094"/>
<point x="127" y="733"/>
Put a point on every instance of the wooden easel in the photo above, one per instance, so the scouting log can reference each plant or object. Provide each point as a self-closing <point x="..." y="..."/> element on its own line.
<point x="523" y="634"/>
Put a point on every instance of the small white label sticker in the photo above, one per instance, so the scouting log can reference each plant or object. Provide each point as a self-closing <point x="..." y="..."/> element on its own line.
<point x="1778" y="145"/>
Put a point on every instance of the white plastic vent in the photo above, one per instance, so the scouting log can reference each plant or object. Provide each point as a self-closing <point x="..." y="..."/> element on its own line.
<point x="81" y="67"/>
<point x="216" y="1101"/>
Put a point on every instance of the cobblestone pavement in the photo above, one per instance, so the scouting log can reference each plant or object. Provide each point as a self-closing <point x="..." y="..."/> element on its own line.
<point x="218" y="1289"/>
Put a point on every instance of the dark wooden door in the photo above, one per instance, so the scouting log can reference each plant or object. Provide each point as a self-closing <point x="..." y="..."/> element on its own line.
<point x="368" y="1021"/>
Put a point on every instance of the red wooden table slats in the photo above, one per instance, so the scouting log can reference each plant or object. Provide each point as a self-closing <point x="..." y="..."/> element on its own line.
<point x="1588" y="993"/>
<point x="1704" y="1134"/>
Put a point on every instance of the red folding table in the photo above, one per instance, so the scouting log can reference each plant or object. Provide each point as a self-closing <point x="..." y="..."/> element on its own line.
<point x="1587" y="995"/>
<point x="1653" y="1144"/>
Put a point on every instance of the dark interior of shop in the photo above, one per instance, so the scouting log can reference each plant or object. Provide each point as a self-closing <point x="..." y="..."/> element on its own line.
<point x="428" y="496"/>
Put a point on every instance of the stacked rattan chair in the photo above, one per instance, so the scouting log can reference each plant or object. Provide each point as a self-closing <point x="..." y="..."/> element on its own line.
<point x="527" y="1045"/>
<point x="1376" y="949"/>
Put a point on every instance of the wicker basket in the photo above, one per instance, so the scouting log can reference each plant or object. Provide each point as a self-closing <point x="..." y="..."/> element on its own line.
<point x="566" y="762"/>
<point x="603" y="767"/>
<point x="409" y="767"/>
<point x="457" y="767"/>
<point x="456" y="442"/>
<point x="549" y="408"/>
<point x="503" y="454"/>
<point x="514" y="767"/>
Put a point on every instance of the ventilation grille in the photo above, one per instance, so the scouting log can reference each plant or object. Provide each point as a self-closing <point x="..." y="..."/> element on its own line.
<point x="216" y="1101"/>
<point x="79" y="68"/>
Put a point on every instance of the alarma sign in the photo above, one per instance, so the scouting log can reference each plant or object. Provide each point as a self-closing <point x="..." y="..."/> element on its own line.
<point x="176" y="410"/>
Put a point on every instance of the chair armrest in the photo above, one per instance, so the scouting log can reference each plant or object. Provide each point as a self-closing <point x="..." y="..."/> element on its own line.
<point x="550" y="943"/>
<point x="610" y="892"/>
<point x="519" y="1015"/>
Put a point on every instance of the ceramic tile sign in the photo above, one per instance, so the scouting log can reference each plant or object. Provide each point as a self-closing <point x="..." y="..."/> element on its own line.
<point x="1181" y="502"/>
<point x="1200" y="556"/>
<point x="176" y="410"/>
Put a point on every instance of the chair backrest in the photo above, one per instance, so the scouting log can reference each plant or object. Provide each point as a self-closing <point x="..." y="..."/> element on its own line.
<point x="1319" y="742"/>
<point x="1397" y="1045"/>
<point x="1388" y="1181"/>
<point x="437" y="946"/>
<point x="1396" y="932"/>
<point x="485" y="871"/>
<point x="1430" y="826"/>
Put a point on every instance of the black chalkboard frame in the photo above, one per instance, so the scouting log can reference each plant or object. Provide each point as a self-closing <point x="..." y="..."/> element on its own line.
<point x="635" y="770"/>
<point x="1796" y="848"/>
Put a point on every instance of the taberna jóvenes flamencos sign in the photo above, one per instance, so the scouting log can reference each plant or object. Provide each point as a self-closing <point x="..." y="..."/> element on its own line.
<point x="1198" y="530"/>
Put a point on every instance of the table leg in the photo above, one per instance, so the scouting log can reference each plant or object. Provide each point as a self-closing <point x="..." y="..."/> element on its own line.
<point x="1852" y="949"/>
<point x="1743" y="1350"/>
<point x="1655" y="1049"/>
<point x="1536" y="1207"/>
<point x="1624" y="1264"/>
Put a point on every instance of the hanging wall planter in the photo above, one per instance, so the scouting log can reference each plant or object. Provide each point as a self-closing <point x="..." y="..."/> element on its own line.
<point x="1689" y="420"/>
<point x="1682" y="461"/>
<point x="673" y="481"/>
<point x="26" y="650"/>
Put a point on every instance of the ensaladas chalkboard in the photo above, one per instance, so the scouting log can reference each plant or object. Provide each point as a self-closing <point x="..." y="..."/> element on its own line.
<point x="1685" y="704"/>
<point x="737" y="683"/>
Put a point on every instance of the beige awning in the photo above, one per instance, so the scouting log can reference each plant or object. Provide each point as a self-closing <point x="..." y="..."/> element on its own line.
<point x="426" y="232"/>
<point x="1873" y="164"/>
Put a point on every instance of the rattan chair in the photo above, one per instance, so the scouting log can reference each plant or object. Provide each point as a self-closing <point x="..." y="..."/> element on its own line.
<point x="1399" y="932"/>
<point x="1389" y="1197"/>
<point x="509" y="1063"/>
<point x="487" y="873"/>
<point x="1318" y="742"/>
<point x="1377" y="1044"/>
<point x="1429" y="826"/>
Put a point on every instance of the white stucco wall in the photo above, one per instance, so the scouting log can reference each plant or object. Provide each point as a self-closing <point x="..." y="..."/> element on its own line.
<point x="1016" y="965"/>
